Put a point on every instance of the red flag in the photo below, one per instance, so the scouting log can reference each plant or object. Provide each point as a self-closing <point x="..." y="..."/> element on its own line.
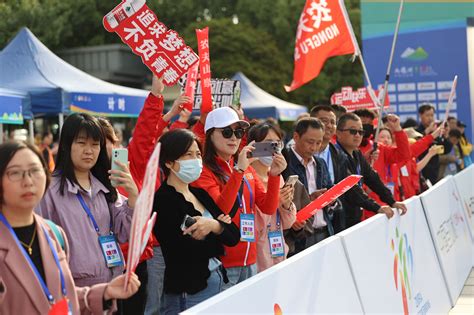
<point x="328" y="197"/>
<point x="324" y="31"/>
<point x="204" y="68"/>
<point x="190" y="87"/>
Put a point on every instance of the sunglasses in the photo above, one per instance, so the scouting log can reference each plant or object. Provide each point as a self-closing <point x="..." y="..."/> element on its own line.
<point x="353" y="132"/>
<point x="227" y="132"/>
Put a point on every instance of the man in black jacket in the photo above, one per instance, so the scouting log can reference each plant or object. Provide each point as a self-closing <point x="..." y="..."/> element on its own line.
<point x="349" y="136"/>
<point x="337" y="163"/>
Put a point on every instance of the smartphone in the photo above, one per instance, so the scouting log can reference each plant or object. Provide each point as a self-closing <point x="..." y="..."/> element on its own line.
<point x="263" y="149"/>
<point x="291" y="180"/>
<point x="120" y="155"/>
<point x="187" y="222"/>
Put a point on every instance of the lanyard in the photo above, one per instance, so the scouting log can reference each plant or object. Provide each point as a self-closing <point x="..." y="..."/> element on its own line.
<point x="91" y="217"/>
<point x="241" y="197"/>
<point x="46" y="291"/>
<point x="277" y="221"/>
<point x="389" y="173"/>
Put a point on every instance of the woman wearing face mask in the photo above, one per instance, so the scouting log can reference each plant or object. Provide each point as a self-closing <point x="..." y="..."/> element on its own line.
<point x="34" y="273"/>
<point x="236" y="188"/>
<point x="271" y="245"/>
<point x="82" y="200"/>
<point x="190" y="249"/>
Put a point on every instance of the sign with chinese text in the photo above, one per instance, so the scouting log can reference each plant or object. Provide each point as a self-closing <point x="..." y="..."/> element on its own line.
<point x="354" y="100"/>
<point x="204" y="69"/>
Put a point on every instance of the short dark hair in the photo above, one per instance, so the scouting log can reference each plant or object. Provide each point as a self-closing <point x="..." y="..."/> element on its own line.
<point x="108" y="129"/>
<point x="46" y="134"/>
<point x="316" y="109"/>
<point x="309" y="122"/>
<point x="425" y="107"/>
<point x="174" y="144"/>
<point x="410" y="122"/>
<point x="8" y="151"/>
<point x="451" y="118"/>
<point x="344" y="118"/>
<point x="455" y="133"/>
<point x="364" y="112"/>
<point x="259" y="131"/>
<point x="339" y="108"/>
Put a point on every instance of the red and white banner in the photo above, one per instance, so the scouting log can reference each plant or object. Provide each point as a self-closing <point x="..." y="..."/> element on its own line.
<point x="162" y="50"/>
<point x="142" y="224"/>
<point x="354" y="100"/>
<point x="324" y="31"/>
<point x="328" y="197"/>
<point x="204" y="68"/>
<point x="190" y="87"/>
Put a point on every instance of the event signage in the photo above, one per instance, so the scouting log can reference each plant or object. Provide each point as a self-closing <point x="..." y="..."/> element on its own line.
<point x="204" y="68"/>
<point x="396" y="258"/>
<point x="328" y="197"/>
<point x="161" y="49"/>
<point x="359" y="99"/>
<point x="191" y="85"/>
<point x="142" y="224"/>
<point x="11" y="110"/>
<point x="324" y="31"/>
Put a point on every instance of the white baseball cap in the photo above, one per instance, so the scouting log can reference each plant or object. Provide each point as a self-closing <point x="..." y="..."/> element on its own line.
<point x="223" y="117"/>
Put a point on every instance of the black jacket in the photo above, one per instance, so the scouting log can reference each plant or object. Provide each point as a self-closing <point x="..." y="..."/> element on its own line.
<point x="187" y="259"/>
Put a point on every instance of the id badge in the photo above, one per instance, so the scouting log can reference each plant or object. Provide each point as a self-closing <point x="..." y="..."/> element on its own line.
<point x="60" y="308"/>
<point x="277" y="248"/>
<point x="452" y="167"/>
<point x="404" y="171"/>
<point x="111" y="251"/>
<point x="391" y="186"/>
<point x="247" y="227"/>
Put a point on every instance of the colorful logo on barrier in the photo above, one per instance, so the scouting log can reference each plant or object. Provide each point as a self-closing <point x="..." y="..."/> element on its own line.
<point x="403" y="267"/>
<point x="277" y="309"/>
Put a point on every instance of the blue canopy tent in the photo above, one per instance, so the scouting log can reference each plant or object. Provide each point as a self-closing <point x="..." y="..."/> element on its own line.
<point x="259" y="104"/>
<point x="56" y="87"/>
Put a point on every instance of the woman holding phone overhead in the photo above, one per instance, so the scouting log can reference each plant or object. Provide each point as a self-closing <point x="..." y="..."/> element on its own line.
<point x="35" y="277"/>
<point x="235" y="187"/>
<point x="82" y="200"/>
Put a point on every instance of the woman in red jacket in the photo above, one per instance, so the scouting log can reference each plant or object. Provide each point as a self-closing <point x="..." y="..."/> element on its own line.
<point x="236" y="188"/>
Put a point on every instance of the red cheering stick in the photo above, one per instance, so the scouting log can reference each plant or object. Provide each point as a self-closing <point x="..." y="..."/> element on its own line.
<point x="327" y="198"/>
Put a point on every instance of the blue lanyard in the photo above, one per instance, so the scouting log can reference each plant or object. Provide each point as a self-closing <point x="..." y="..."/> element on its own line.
<point x="389" y="172"/>
<point x="277" y="221"/>
<point x="241" y="205"/>
<point x="91" y="217"/>
<point x="46" y="291"/>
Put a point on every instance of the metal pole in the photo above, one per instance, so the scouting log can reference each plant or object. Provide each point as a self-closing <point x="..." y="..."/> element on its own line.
<point x="61" y="121"/>
<point x="32" y="131"/>
<point x="1" y="133"/>
<point x="387" y="75"/>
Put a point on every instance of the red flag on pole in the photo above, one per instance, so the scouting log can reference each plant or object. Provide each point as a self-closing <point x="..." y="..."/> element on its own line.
<point x="190" y="87"/>
<point x="204" y="68"/>
<point x="324" y="31"/>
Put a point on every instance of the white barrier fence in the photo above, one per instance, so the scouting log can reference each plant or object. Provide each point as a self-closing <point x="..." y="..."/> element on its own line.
<point x="415" y="264"/>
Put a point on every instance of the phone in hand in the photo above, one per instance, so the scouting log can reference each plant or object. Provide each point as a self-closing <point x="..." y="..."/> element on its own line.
<point x="291" y="180"/>
<point x="120" y="155"/>
<point x="187" y="222"/>
<point x="265" y="148"/>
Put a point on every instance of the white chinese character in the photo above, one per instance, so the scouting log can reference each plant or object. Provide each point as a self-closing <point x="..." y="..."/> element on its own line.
<point x="302" y="26"/>
<point x="188" y="55"/>
<point x="121" y="104"/>
<point x="146" y="18"/>
<point x="207" y="82"/>
<point x="206" y="69"/>
<point x="160" y="64"/>
<point x="147" y="49"/>
<point x="157" y="29"/>
<point x="319" y="13"/>
<point x="227" y="87"/>
<point x="204" y="44"/>
<point x="170" y="76"/>
<point x="205" y="57"/>
<point x="172" y="41"/>
<point x="133" y="32"/>
<point x="181" y="62"/>
<point x="111" y="103"/>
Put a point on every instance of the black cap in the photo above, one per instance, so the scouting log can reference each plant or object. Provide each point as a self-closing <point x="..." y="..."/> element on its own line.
<point x="461" y="124"/>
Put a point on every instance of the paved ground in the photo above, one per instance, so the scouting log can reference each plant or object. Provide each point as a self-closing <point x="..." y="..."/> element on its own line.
<point x="465" y="303"/>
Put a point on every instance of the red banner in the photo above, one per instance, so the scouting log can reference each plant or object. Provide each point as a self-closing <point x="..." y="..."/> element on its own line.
<point x="324" y="31"/>
<point x="162" y="50"/>
<point x="204" y="68"/>
<point x="190" y="87"/>
<point x="328" y="197"/>
<point x="354" y="100"/>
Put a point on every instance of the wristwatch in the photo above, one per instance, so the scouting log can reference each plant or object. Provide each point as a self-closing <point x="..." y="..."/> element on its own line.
<point x="238" y="169"/>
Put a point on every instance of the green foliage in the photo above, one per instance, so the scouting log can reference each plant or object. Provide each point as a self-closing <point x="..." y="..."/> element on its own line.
<point x="261" y="44"/>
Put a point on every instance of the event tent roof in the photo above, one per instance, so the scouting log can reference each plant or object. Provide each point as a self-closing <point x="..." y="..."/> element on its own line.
<point x="259" y="104"/>
<point x="55" y="86"/>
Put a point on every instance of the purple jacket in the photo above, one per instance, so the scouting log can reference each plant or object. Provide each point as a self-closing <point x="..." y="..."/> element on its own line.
<point x="87" y="262"/>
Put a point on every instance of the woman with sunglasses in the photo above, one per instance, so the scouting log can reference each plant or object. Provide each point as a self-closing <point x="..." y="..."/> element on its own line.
<point x="34" y="272"/>
<point x="271" y="245"/>
<point x="236" y="188"/>
<point x="189" y="226"/>
<point x="82" y="200"/>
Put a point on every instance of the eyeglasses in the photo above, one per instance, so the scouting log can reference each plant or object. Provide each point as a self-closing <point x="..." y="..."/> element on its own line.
<point x="227" y="132"/>
<point x="353" y="132"/>
<point x="17" y="175"/>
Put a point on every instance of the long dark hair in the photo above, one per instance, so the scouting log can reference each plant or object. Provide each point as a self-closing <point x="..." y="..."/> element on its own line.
<point x="8" y="150"/>
<point x="73" y="126"/>
<point x="210" y="157"/>
<point x="174" y="144"/>
<point x="258" y="132"/>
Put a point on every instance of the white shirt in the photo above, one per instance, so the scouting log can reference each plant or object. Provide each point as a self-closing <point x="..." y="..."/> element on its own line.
<point x="311" y="178"/>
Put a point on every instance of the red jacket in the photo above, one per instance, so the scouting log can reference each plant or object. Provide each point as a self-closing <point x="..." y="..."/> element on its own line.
<point x="224" y="195"/>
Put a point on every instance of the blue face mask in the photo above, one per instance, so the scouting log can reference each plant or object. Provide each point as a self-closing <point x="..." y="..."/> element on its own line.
<point x="266" y="160"/>
<point x="189" y="170"/>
